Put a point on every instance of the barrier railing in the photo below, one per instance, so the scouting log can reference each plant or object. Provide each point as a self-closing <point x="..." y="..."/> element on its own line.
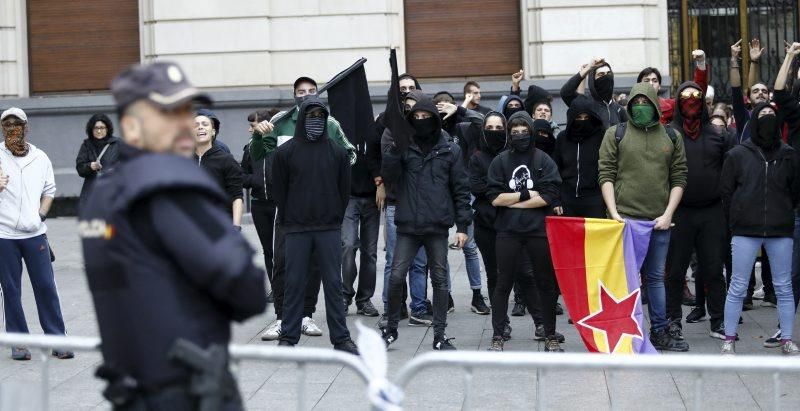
<point x="543" y="362"/>
<point x="466" y="360"/>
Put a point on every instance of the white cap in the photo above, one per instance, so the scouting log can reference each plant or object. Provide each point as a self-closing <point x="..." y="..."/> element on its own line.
<point x="16" y="112"/>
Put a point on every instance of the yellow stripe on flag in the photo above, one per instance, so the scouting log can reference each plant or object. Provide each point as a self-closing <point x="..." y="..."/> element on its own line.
<point x="605" y="262"/>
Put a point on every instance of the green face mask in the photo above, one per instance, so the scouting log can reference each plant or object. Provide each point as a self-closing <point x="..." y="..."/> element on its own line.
<point x="643" y="114"/>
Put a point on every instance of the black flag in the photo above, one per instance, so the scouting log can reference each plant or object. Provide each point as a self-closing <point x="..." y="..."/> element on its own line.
<point x="395" y="119"/>
<point x="349" y="101"/>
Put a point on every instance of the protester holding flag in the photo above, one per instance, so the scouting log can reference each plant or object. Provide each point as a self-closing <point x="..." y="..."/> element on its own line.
<point x="523" y="185"/>
<point x="760" y="190"/>
<point x="642" y="175"/>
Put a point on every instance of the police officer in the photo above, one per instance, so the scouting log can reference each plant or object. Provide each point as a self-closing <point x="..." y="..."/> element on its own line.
<point x="166" y="268"/>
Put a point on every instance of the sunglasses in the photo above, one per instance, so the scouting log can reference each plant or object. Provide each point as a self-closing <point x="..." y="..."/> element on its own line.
<point x="691" y="94"/>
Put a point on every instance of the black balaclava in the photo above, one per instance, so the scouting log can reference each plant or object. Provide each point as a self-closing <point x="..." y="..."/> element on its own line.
<point x="544" y="143"/>
<point x="603" y="87"/>
<point x="508" y="112"/>
<point x="765" y="131"/>
<point x="494" y="141"/>
<point x="428" y="130"/>
<point x="311" y="128"/>
<point x="520" y="143"/>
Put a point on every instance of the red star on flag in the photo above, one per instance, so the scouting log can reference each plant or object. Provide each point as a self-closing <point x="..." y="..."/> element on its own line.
<point x="615" y="318"/>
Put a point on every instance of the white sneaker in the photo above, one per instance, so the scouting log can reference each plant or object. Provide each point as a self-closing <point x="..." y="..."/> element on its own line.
<point x="273" y="332"/>
<point x="310" y="327"/>
<point x="758" y="294"/>
<point x="728" y="348"/>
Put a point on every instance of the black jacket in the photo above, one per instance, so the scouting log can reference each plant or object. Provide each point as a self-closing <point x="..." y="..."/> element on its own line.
<point x="510" y="172"/>
<point x="224" y="169"/>
<point x="577" y="156"/>
<point x="88" y="154"/>
<point x="609" y="111"/>
<point x="310" y="179"/>
<point x="254" y="177"/>
<point x="704" y="157"/>
<point x="163" y="262"/>
<point x="759" y="195"/>
<point x="789" y="108"/>
<point x="485" y="212"/>
<point x="432" y="190"/>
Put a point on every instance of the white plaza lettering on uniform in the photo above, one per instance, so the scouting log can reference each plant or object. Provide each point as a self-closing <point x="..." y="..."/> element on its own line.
<point x="92" y="229"/>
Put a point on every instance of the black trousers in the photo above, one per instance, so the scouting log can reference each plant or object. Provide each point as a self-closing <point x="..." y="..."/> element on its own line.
<point x="587" y="207"/>
<point x="405" y="250"/>
<point x="263" y="212"/>
<point x="279" y="277"/>
<point x="360" y="234"/>
<point x="325" y="247"/>
<point x="701" y="230"/>
<point x="537" y="251"/>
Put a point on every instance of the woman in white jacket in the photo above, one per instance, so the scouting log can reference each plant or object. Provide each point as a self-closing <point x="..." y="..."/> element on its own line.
<point x="27" y="188"/>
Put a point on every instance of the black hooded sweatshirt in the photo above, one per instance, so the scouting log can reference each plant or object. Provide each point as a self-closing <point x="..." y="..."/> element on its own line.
<point x="485" y="212"/>
<point x="760" y="188"/>
<point x="429" y="180"/>
<point x="609" y="111"/>
<point x="577" y="154"/>
<point x="704" y="156"/>
<point x="310" y="179"/>
<point x="224" y="169"/>
<point x="509" y="172"/>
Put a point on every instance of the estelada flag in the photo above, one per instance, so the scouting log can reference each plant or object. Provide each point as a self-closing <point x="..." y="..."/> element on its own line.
<point x="597" y="265"/>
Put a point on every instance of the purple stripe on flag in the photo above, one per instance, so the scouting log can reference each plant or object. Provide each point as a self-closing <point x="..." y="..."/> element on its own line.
<point x="635" y="243"/>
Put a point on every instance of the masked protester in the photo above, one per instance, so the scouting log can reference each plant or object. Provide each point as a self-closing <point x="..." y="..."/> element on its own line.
<point x="522" y="185"/>
<point x="267" y="136"/>
<point x="600" y="80"/>
<point x="27" y="188"/>
<point x="432" y="195"/>
<point x="576" y="154"/>
<point x="699" y="219"/>
<point x="760" y="190"/>
<point x="312" y="219"/>
<point x="642" y="175"/>
<point x="543" y="137"/>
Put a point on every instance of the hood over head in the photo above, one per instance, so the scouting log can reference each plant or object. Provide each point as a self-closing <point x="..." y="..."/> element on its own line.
<point x="526" y="118"/>
<point x="433" y="126"/>
<point x="511" y="98"/>
<point x="213" y="117"/>
<point x="765" y="132"/>
<point x="303" y="128"/>
<point x="535" y="96"/>
<point x="690" y="127"/>
<point x="646" y="90"/>
<point x="597" y="90"/>
<point x="486" y="142"/>
<point x="582" y="106"/>
<point x="406" y="75"/>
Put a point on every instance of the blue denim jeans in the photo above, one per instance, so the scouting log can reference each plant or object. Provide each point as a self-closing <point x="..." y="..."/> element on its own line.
<point x="779" y="251"/>
<point x="417" y="278"/>
<point x="653" y="272"/>
<point x="796" y="260"/>
<point x="472" y="260"/>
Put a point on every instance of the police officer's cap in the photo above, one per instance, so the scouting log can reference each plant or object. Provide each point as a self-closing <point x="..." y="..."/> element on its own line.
<point x="161" y="83"/>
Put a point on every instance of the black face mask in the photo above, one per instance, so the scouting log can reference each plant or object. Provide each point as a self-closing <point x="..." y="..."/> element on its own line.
<point x="521" y="143"/>
<point x="495" y="140"/>
<point x="581" y="128"/>
<point x="509" y="111"/>
<point x="300" y="99"/>
<point x="426" y="127"/>
<point x="767" y="137"/>
<point x="545" y="143"/>
<point x="604" y="86"/>
<point x="404" y="95"/>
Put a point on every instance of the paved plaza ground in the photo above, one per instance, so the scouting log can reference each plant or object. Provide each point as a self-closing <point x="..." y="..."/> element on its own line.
<point x="273" y="386"/>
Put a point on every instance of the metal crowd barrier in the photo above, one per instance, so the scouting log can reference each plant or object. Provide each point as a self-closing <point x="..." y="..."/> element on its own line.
<point x="466" y="360"/>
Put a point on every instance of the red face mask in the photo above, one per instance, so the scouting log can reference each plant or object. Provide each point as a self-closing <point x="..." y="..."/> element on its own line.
<point x="15" y="140"/>
<point x="691" y="110"/>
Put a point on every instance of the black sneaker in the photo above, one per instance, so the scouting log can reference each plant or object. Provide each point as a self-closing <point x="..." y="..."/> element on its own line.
<point x="774" y="341"/>
<point x="479" y="305"/>
<point x="442" y="343"/>
<point x="346" y="346"/>
<point x="283" y="343"/>
<point x="451" y="306"/>
<point x="497" y="344"/>
<point x="518" y="310"/>
<point x="688" y="298"/>
<point x="389" y="336"/>
<point x="507" y="332"/>
<point x="559" y="309"/>
<point x="748" y="304"/>
<point x="698" y="314"/>
<point x="769" y="301"/>
<point x="663" y="341"/>
<point x="403" y="311"/>
<point x="367" y="310"/>
<point x="675" y="329"/>
<point x="538" y="335"/>
<point x="552" y="345"/>
<point x="420" y="320"/>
